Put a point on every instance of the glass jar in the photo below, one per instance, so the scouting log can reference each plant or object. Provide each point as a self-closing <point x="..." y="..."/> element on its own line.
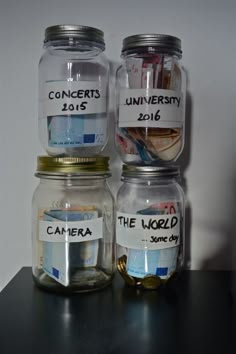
<point x="151" y="89"/>
<point x="73" y="224"/>
<point x="150" y="225"/>
<point x="73" y="91"/>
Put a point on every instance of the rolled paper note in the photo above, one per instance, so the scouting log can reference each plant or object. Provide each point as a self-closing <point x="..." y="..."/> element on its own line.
<point x="126" y="145"/>
<point x="134" y="71"/>
<point x="155" y="143"/>
<point x="163" y="131"/>
<point x="159" y="140"/>
<point x="172" y="151"/>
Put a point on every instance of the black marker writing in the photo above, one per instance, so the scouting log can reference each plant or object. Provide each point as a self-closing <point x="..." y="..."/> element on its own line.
<point x="152" y="100"/>
<point x="154" y="224"/>
<point x="73" y="231"/>
<point x="74" y="94"/>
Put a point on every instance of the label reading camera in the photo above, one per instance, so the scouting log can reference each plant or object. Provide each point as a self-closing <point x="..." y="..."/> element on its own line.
<point x="70" y="231"/>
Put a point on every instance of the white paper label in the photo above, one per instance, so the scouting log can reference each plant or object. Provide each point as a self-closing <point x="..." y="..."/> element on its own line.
<point x="70" y="231"/>
<point x="74" y="98"/>
<point x="150" y="108"/>
<point x="152" y="232"/>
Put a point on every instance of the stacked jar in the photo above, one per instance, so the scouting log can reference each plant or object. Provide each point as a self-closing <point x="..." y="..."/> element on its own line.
<point x="149" y="139"/>
<point x="73" y="208"/>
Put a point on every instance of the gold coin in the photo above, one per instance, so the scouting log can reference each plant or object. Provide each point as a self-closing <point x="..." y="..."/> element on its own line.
<point x="151" y="282"/>
<point x="138" y="281"/>
<point x="128" y="279"/>
<point x="121" y="266"/>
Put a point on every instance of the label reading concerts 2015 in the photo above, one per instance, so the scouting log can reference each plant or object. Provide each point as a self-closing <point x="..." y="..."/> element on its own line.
<point x="74" y="98"/>
<point x="148" y="232"/>
<point x="150" y="108"/>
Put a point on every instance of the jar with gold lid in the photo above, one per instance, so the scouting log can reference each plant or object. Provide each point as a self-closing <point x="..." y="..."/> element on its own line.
<point x="72" y="226"/>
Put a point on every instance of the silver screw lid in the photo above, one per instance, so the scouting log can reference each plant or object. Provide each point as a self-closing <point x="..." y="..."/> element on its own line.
<point x="75" y="31"/>
<point x="131" y="171"/>
<point x="165" y="43"/>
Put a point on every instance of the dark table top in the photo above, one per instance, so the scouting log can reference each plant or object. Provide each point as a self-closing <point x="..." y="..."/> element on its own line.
<point x="194" y="314"/>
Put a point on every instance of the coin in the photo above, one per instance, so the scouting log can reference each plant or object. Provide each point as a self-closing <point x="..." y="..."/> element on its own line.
<point x="128" y="279"/>
<point x="121" y="266"/>
<point x="151" y="282"/>
<point x="138" y="281"/>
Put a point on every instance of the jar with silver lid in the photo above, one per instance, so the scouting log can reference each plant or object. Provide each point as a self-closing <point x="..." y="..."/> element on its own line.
<point x="150" y="225"/>
<point x="73" y="91"/>
<point x="151" y="89"/>
<point x="73" y="224"/>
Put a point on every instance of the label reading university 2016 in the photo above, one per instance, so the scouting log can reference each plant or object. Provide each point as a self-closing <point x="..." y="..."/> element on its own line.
<point x="150" y="107"/>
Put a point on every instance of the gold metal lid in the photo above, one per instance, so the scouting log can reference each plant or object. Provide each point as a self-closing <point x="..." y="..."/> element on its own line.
<point x="98" y="165"/>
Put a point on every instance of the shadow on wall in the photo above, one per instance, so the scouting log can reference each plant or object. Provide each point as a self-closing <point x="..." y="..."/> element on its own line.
<point x="221" y="257"/>
<point x="184" y="162"/>
<point x="224" y="257"/>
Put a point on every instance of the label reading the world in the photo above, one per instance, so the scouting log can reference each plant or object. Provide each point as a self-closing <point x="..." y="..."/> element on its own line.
<point x="148" y="232"/>
<point x="73" y="98"/>
<point x="150" y="108"/>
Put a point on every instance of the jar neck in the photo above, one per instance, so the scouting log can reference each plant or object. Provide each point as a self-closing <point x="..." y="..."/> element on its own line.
<point x="150" y="181"/>
<point x="148" y="52"/>
<point x="73" y="182"/>
<point x="75" y="45"/>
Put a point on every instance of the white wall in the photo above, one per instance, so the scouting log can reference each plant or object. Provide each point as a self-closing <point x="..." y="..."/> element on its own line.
<point x="207" y="29"/>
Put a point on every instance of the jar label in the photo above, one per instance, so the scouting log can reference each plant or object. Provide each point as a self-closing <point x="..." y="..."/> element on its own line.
<point x="62" y="98"/>
<point x="154" y="108"/>
<point x="76" y="113"/>
<point x="148" y="232"/>
<point x="70" y="231"/>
